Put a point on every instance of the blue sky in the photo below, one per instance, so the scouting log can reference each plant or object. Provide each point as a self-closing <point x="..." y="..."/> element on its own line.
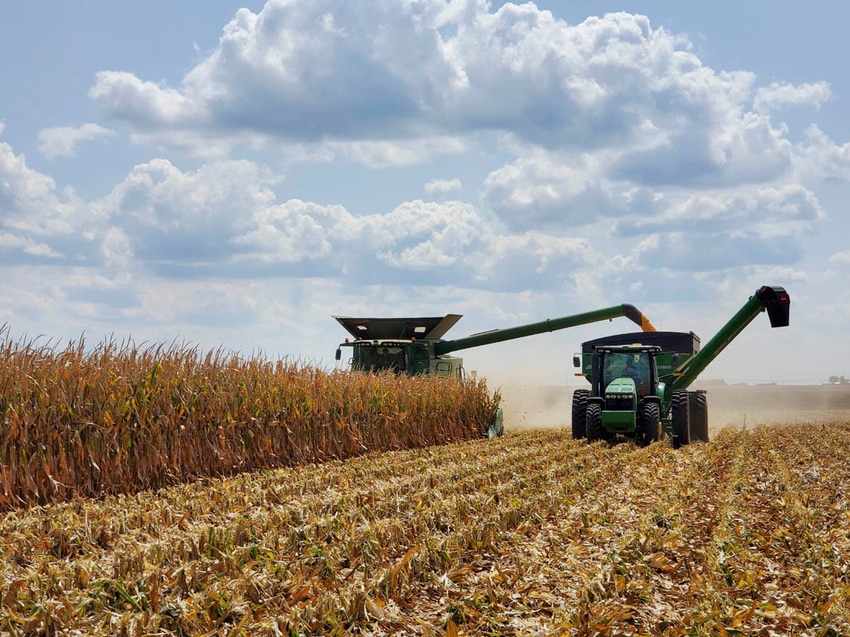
<point x="233" y="174"/>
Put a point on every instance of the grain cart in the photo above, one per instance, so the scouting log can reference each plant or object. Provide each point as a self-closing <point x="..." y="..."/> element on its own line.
<point x="639" y="381"/>
<point x="416" y="346"/>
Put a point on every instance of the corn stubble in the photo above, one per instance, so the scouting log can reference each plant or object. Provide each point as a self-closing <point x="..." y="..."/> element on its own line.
<point x="116" y="418"/>
<point x="530" y="534"/>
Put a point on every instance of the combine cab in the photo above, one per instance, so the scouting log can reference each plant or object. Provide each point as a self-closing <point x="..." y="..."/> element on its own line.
<point x="402" y="345"/>
<point x="639" y="381"/>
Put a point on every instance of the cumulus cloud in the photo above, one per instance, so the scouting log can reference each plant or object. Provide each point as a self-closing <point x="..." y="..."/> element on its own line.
<point x="840" y="258"/>
<point x="607" y="119"/>
<point x="689" y="252"/>
<point x="62" y="141"/>
<point x="818" y="157"/>
<point x="10" y="242"/>
<point x="780" y="94"/>
<point x="34" y="216"/>
<point x="783" y="210"/>
<point x="296" y="231"/>
<point x="382" y="79"/>
<point x="223" y="219"/>
<point x="550" y="191"/>
<point x="441" y="188"/>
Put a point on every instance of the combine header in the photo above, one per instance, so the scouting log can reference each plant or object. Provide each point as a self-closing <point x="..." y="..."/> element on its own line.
<point x="639" y="381"/>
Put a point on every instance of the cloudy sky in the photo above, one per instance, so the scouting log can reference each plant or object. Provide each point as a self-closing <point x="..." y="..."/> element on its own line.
<point x="232" y="174"/>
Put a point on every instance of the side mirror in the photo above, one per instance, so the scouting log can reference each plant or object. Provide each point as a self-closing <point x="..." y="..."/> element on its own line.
<point x="576" y="361"/>
<point x="338" y="353"/>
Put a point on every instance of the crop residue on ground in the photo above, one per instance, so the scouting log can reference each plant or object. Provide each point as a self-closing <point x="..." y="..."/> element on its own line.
<point x="533" y="533"/>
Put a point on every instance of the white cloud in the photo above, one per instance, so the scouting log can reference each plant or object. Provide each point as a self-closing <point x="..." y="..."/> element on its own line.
<point x="550" y="190"/>
<point x="819" y="158"/>
<point x="295" y="231"/>
<point x="29" y="205"/>
<point x="840" y="258"/>
<point x="26" y="245"/>
<point x="422" y="235"/>
<point x="62" y="141"/>
<point x="384" y="154"/>
<point x="779" y="94"/>
<point x="146" y="104"/>
<point x="441" y="188"/>
<point x="396" y="83"/>
<point x="22" y="190"/>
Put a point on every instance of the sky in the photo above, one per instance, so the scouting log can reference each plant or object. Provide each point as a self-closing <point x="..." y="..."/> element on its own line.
<point x="231" y="175"/>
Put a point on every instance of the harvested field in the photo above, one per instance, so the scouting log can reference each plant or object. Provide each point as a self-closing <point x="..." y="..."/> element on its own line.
<point x="530" y="534"/>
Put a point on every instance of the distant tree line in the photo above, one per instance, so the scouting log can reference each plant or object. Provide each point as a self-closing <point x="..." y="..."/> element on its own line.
<point x="838" y="380"/>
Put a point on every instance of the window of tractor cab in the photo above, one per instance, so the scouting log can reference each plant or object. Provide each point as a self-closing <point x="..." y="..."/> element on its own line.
<point x="634" y="365"/>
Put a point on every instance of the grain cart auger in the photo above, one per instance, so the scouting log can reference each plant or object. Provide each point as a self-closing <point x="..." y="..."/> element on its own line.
<point x="416" y="346"/>
<point x="639" y="381"/>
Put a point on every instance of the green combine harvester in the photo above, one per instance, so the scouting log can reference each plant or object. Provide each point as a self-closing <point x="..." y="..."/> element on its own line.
<point x="639" y="381"/>
<point x="416" y="345"/>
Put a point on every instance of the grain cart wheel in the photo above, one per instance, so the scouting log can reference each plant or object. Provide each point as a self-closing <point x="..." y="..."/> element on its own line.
<point x="593" y="422"/>
<point x="579" y="423"/>
<point x="680" y="416"/>
<point x="699" y="416"/>
<point x="650" y="418"/>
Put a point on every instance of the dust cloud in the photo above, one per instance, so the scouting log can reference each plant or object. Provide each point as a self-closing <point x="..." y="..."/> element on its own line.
<point x="739" y="406"/>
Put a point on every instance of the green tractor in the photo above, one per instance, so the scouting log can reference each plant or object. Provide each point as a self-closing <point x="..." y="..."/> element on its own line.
<point x="639" y="381"/>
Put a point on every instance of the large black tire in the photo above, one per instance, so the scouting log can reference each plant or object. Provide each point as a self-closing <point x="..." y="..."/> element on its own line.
<point x="681" y="418"/>
<point x="699" y="416"/>
<point x="650" y="423"/>
<point x="579" y="415"/>
<point x="593" y="422"/>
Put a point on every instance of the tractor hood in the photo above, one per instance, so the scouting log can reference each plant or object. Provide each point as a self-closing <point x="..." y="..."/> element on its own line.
<point x="398" y="328"/>
<point x="623" y="385"/>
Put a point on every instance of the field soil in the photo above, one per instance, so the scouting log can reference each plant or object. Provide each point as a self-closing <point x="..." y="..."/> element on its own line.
<point x="740" y="406"/>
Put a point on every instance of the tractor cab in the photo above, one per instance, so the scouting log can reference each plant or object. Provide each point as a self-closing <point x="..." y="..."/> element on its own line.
<point x="626" y="377"/>
<point x="628" y="369"/>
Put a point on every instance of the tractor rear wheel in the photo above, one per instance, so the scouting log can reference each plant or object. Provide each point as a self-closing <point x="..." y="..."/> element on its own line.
<point x="699" y="416"/>
<point x="681" y="418"/>
<point x="650" y="419"/>
<point x="579" y="415"/>
<point x="593" y="422"/>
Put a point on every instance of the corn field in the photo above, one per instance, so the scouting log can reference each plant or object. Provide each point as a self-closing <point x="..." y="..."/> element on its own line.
<point x="530" y="534"/>
<point x="115" y="418"/>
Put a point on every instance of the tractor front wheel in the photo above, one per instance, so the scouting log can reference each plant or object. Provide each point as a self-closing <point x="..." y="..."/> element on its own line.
<point x="650" y="416"/>
<point x="593" y="422"/>
<point x="579" y="415"/>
